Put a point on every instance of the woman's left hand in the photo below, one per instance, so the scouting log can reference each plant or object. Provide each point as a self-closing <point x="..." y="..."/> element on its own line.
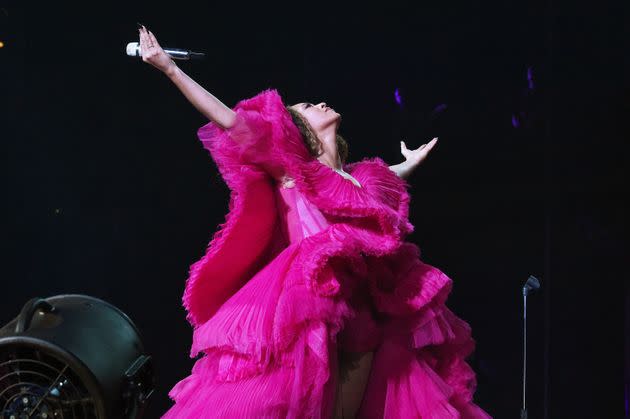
<point x="417" y="156"/>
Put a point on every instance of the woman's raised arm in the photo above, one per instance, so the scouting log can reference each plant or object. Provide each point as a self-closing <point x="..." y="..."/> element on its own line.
<point x="204" y="101"/>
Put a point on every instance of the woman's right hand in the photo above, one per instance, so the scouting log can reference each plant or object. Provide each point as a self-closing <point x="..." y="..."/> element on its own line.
<point x="153" y="53"/>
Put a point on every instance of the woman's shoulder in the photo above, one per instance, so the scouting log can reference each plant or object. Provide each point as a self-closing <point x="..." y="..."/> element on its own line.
<point x="375" y="172"/>
<point x="367" y="165"/>
<point x="268" y="100"/>
<point x="382" y="199"/>
<point x="379" y="186"/>
<point x="381" y="183"/>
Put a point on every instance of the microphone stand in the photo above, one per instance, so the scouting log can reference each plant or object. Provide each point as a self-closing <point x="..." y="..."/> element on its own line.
<point x="531" y="285"/>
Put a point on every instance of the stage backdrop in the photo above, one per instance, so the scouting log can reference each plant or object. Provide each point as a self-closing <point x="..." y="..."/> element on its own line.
<point x="109" y="193"/>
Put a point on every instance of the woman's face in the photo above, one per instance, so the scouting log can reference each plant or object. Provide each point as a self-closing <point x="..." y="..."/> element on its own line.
<point x="318" y="116"/>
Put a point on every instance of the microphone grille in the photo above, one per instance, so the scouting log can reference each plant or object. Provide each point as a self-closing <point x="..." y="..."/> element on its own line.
<point x="133" y="49"/>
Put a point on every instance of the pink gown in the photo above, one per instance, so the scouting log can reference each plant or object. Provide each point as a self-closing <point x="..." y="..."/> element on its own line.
<point x="308" y="263"/>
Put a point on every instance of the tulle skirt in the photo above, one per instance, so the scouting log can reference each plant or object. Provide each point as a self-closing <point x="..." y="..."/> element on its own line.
<point x="271" y="350"/>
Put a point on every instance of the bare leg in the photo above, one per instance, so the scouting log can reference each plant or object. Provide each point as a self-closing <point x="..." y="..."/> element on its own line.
<point x="338" y="402"/>
<point x="354" y="371"/>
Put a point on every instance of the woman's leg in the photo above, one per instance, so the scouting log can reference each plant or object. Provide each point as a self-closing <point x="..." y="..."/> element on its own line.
<point x="354" y="371"/>
<point x="338" y="402"/>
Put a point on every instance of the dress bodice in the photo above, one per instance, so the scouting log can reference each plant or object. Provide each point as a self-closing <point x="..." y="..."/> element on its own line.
<point x="348" y="176"/>
<point x="299" y="217"/>
<point x="360" y="210"/>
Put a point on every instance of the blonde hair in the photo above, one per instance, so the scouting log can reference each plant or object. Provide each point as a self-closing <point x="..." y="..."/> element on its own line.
<point x="314" y="144"/>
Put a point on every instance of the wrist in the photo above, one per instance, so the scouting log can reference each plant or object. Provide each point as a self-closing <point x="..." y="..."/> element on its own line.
<point x="172" y="70"/>
<point x="407" y="168"/>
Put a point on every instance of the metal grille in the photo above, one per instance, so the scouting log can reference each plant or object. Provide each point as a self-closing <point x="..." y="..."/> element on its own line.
<point x="36" y="384"/>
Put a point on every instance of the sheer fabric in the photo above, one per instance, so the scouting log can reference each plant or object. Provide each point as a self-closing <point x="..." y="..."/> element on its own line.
<point x="306" y="264"/>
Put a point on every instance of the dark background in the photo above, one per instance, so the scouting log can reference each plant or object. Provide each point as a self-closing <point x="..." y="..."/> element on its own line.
<point x="108" y="192"/>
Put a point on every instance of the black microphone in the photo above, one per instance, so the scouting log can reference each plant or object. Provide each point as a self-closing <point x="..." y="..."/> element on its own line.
<point x="133" y="50"/>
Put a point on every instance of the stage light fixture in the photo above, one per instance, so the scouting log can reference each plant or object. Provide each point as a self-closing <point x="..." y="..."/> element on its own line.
<point x="73" y="356"/>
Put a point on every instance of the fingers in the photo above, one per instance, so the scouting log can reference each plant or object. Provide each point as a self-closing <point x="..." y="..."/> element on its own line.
<point x="146" y="42"/>
<point x="424" y="148"/>
<point x="147" y="38"/>
<point x="430" y="144"/>
<point x="143" y="42"/>
<point x="154" y="42"/>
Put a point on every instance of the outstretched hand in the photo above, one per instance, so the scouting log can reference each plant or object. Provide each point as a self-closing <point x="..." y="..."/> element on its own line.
<point x="152" y="52"/>
<point x="417" y="156"/>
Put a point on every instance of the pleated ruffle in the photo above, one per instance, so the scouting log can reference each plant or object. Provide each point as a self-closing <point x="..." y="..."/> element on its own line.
<point x="269" y="316"/>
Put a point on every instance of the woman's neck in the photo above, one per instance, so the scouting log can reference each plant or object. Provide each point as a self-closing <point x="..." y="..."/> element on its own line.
<point x="330" y="156"/>
<point x="330" y="161"/>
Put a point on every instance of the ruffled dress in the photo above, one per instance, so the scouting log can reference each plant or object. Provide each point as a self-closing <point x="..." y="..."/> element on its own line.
<point x="307" y="264"/>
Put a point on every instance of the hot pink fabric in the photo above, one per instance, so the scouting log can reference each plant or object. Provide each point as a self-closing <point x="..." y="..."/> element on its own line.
<point x="308" y="263"/>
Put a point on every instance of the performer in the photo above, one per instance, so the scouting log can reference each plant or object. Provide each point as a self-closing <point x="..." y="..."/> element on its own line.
<point x="308" y="302"/>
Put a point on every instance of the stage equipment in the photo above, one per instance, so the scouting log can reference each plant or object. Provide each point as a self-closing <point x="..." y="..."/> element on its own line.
<point x="530" y="286"/>
<point x="73" y="356"/>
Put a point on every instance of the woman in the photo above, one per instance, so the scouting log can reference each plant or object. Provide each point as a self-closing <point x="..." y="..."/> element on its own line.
<point x="308" y="303"/>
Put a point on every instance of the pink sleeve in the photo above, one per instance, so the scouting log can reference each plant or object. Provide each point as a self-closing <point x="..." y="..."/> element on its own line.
<point x="264" y="135"/>
<point x="263" y="140"/>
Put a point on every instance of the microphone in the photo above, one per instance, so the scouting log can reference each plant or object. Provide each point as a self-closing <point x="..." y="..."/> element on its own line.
<point x="531" y="285"/>
<point x="133" y="50"/>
